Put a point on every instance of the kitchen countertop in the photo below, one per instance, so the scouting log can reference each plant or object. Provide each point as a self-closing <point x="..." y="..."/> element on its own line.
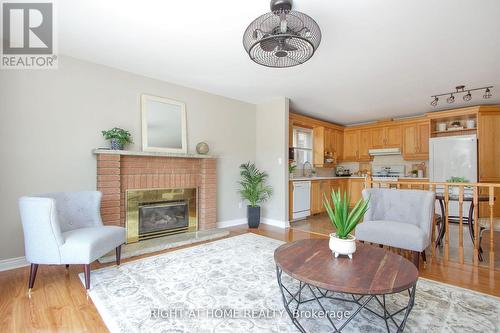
<point x="325" y="177"/>
<point x="350" y="177"/>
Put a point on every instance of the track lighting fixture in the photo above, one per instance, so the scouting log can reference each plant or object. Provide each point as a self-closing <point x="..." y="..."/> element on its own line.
<point x="461" y="90"/>
<point x="487" y="93"/>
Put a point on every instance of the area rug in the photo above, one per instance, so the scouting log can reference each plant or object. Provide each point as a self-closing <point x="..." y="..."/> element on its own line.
<point x="229" y="285"/>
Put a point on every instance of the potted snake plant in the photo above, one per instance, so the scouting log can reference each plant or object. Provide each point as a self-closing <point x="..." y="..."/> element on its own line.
<point x="344" y="220"/>
<point x="253" y="189"/>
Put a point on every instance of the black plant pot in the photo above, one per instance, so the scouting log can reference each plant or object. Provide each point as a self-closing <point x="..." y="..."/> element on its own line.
<point x="253" y="216"/>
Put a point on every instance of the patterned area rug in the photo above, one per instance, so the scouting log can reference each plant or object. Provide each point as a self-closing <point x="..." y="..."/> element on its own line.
<point x="230" y="285"/>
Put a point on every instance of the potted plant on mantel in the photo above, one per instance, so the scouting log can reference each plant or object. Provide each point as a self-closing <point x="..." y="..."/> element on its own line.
<point x="118" y="137"/>
<point x="254" y="190"/>
<point x="344" y="220"/>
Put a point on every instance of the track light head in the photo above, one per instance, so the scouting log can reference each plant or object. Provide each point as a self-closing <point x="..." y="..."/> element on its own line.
<point x="467" y="97"/>
<point x="487" y="93"/>
<point x="450" y="99"/>
<point x="435" y="101"/>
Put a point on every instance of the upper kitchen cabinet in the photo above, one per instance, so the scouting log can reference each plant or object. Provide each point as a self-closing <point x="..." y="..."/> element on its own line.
<point x="386" y="137"/>
<point x="416" y="140"/>
<point x="326" y="146"/>
<point x="489" y="144"/>
<point x="351" y="145"/>
<point x="365" y="142"/>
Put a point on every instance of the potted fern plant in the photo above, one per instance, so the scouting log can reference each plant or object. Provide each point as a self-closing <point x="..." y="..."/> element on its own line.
<point x="254" y="190"/>
<point x="118" y="137"/>
<point x="344" y="220"/>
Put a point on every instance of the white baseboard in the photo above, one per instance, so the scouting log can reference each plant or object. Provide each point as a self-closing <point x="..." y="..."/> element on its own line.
<point x="231" y="223"/>
<point x="12" y="263"/>
<point x="276" y="223"/>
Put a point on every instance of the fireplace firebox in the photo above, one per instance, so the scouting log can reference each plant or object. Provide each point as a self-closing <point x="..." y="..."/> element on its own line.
<point x="158" y="212"/>
<point x="162" y="216"/>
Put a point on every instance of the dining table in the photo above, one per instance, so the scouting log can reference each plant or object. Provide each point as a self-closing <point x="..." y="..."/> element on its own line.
<point x="469" y="220"/>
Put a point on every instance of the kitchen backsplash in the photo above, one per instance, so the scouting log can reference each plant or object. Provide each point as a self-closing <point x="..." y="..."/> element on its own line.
<point x="377" y="160"/>
<point x="387" y="160"/>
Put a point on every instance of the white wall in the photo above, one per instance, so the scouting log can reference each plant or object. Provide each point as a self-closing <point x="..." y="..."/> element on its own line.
<point x="272" y="156"/>
<point x="51" y="120"/>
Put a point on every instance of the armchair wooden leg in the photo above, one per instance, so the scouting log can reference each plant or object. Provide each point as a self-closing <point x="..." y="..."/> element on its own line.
<point x="87" y="276"/>
<point x="118" y="254"/>
<point x="415" y="258"/>
<point x="423" y="256"/>
<point x="33" y="270"/>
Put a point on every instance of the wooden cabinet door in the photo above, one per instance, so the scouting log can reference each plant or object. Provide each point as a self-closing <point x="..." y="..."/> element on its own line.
<point x="410" y="140"/>
<point x="318" y="146"/>
<point x="489" y="147"/>
<point x="393" y="137"/>
<point x="315" y="197"/>
<point x="351" y="145"/>
<point x="325" y="190"/>
<point x="338" y="145"/>
<point x="378" y="137"/>
<point x="355" y="188"/>
<point x="364" y="144"/>
<point x="423" y="139"/>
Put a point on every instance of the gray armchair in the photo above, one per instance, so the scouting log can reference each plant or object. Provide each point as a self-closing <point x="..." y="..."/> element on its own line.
<point x="398" y="218"/>
<point x="66" y="228"/>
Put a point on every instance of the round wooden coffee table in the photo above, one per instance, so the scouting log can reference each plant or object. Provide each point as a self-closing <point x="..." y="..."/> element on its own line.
<point x="372" y="274"/>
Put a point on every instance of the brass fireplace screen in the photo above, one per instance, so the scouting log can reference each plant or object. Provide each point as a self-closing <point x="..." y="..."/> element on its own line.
<point x="158" y="212"/>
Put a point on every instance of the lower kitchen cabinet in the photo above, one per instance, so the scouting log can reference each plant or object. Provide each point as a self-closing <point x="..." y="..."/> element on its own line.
<point x="321" y="188"/>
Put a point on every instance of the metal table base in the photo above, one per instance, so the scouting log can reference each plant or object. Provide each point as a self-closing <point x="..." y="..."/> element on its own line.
<point x="293" y="300"/>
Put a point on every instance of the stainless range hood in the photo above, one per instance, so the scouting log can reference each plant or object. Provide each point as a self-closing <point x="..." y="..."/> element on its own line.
<point x="384" y="151"/>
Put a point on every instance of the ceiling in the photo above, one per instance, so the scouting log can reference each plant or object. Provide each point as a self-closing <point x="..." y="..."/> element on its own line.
<point x="377" y="59"/>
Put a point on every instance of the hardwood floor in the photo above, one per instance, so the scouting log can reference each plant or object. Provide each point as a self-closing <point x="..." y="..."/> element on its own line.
<point x="59" y="302"/>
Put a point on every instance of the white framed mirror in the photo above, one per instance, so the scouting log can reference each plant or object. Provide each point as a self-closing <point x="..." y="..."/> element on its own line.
<point x="163" y="125"/>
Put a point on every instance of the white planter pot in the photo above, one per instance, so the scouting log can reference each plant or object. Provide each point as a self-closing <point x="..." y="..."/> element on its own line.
<point x="342" y="246"/>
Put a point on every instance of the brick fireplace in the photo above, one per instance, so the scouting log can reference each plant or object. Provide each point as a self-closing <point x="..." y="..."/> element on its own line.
<point x="120" y="171"/>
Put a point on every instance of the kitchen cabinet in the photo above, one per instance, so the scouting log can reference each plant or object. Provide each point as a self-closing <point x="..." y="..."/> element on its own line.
<point x="321" y="188"/>
<point x="386" y="137"/>
<point x="316" y="197"/>
<point x="356" y="186"/>
<point x="489" y="146"/>
<point x="378" y="137"/>
<point x="416" y="140"/>
<point x="326" y="142"/>
<point x="338" y="144"/>
<point x="351" y="145"/>
<point x="365" y="140"/>
<point x="393" y="137"/>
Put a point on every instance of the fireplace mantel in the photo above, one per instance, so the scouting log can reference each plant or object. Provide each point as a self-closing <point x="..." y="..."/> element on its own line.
<point x="100" y="151"/>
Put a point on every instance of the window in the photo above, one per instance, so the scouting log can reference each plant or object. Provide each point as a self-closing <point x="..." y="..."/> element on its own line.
<point x="302" y="144"/>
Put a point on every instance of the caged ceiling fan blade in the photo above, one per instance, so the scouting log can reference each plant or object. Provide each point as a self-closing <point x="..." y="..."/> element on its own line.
<point x="289" y="47"/>
<point x="269" y="45"/>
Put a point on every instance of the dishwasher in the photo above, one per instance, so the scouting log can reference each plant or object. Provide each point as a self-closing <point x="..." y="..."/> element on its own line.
<point x="301" y="199"/>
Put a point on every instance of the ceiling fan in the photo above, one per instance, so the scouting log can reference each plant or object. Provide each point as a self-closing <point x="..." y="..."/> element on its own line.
<point x="283" y="37"/>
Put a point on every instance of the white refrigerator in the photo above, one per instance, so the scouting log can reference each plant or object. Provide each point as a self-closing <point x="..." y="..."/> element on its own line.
<point x="453" y="156"/>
